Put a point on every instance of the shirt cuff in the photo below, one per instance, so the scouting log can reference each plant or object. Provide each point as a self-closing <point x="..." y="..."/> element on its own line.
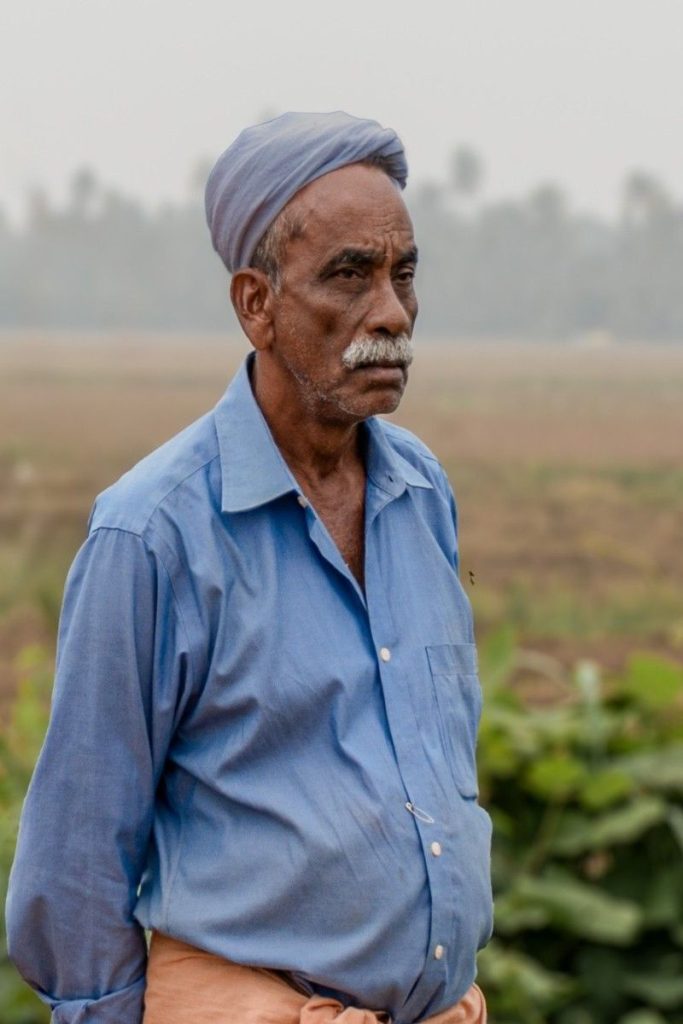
<point x="122" y="1007"/>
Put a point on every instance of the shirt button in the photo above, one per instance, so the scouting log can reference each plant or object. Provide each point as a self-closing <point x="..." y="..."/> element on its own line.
<point x="302" y="501"/>
<point x="436" y="849"/>
<point x="438" y="951"/>
<point x="385" y="654"/>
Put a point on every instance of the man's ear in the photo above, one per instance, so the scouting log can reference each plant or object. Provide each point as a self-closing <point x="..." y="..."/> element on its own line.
<point x="251" y="294"/>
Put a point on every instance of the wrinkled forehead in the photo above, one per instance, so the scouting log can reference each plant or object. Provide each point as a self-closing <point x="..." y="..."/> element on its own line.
<point x="355" y="205"/>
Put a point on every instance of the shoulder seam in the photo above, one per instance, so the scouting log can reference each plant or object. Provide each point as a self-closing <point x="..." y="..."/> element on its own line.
<point x="179" y="483"/>
<point x="117" y="529"/>
<point x="161" y="500"/>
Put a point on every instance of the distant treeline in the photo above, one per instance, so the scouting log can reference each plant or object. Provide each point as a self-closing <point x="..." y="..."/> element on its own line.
<point x="516" y="268"/>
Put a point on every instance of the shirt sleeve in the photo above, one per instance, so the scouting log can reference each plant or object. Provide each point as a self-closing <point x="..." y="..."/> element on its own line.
<point x="88" y="813"/>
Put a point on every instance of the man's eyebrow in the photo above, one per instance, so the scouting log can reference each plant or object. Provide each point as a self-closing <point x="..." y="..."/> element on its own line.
<point x="409" y="256"/>
<point x="353" y="257"/>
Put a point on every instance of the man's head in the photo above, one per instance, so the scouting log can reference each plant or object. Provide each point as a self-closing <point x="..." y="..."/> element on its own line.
<point x="325" y="292"/>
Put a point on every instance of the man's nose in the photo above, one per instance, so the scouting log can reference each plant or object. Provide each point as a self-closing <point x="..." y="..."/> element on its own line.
<point x="387" y="313"/>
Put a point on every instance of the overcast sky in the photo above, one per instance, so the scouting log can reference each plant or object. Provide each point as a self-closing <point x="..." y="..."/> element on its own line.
<point x="579" y="91"/>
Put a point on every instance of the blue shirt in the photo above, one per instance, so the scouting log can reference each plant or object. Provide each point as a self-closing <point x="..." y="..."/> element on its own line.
<point x="248" y="752"/>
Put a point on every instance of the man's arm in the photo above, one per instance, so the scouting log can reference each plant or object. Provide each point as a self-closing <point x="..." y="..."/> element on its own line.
<point x="86" y="822"/>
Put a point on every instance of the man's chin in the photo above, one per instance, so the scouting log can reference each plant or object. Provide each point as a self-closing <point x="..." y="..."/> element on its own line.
<point x="378" y="401"/>
<point x="387" y="403"/>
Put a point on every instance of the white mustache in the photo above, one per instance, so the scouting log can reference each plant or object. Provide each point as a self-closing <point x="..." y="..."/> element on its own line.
<point x="369" y="351"/>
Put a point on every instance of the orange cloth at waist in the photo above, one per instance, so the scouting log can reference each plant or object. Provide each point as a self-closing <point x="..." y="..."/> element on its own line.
<point x="186" y="985"/>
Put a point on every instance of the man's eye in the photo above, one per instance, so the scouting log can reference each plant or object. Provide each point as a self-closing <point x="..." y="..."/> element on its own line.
<point x="348" y="273"/>
<point x="405" y="276"/>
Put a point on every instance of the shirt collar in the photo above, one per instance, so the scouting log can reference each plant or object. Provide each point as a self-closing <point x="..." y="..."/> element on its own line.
<point x="385" y="466"/>
<point x="253" y="470"/>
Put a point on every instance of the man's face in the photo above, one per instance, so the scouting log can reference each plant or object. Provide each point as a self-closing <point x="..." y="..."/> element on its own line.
<point x="347" y="276"/>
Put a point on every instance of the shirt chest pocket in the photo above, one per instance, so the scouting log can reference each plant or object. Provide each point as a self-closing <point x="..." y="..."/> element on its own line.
<point x="458" y="700"/>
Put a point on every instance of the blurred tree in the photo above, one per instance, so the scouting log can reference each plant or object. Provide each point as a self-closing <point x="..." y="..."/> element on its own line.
<point x="548" y="258"/>
<point x="83" y="188"/>
<point x="643" y="198"/>
<point x="646" y="297"/>
<point x="466" y="172"/>
<point x="548" y="204"/>
<point x="39" y="212"/>
<point x="525" y="268"/>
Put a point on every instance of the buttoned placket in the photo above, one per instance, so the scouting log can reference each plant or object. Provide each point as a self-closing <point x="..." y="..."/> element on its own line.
<point x="423" y="804"/>
<point x="399" y="708"/>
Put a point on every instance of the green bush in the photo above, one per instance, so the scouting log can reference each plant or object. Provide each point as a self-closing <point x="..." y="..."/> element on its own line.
<point x="586" y="800"/>
<point x="20" y="741"/>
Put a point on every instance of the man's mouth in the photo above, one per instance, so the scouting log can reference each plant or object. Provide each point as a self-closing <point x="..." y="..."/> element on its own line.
<point x="383" y="364"/>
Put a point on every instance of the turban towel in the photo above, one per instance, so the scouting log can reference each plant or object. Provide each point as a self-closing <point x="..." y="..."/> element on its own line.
<point x="268" y="163"/>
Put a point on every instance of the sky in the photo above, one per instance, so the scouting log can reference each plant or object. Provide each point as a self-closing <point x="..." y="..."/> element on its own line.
<point x="575" y="91"/>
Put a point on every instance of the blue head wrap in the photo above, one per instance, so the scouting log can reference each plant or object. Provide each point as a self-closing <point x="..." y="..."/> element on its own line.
<point x="267" y="164"/>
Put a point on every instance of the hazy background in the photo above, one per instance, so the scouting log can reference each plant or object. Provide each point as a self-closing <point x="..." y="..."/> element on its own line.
<point x="577" y="92"/>
<point x="544" y="142"/>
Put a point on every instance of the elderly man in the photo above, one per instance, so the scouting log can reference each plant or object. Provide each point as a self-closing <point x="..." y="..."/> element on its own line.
<point x="262" y="740"/>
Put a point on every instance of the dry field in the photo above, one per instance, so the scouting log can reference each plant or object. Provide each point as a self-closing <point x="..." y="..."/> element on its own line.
<point x="567" y="463"/>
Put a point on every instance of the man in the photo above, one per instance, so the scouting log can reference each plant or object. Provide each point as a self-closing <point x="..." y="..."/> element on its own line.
<point x="263" y="731"/>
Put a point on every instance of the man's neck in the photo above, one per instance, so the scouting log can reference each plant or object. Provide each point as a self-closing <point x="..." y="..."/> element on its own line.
<point x="317" y="450"/>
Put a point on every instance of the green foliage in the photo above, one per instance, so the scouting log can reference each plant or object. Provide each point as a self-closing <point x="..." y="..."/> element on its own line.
<point x="578" y="833"/>
<point x="587" y="803"/>
<point x="521" y="983"/>
<point x="653" y="682"/>
<point x="20" y="740"/>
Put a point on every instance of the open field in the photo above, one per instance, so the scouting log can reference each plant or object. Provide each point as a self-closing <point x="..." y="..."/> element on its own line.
<point x="567" y="463"/>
